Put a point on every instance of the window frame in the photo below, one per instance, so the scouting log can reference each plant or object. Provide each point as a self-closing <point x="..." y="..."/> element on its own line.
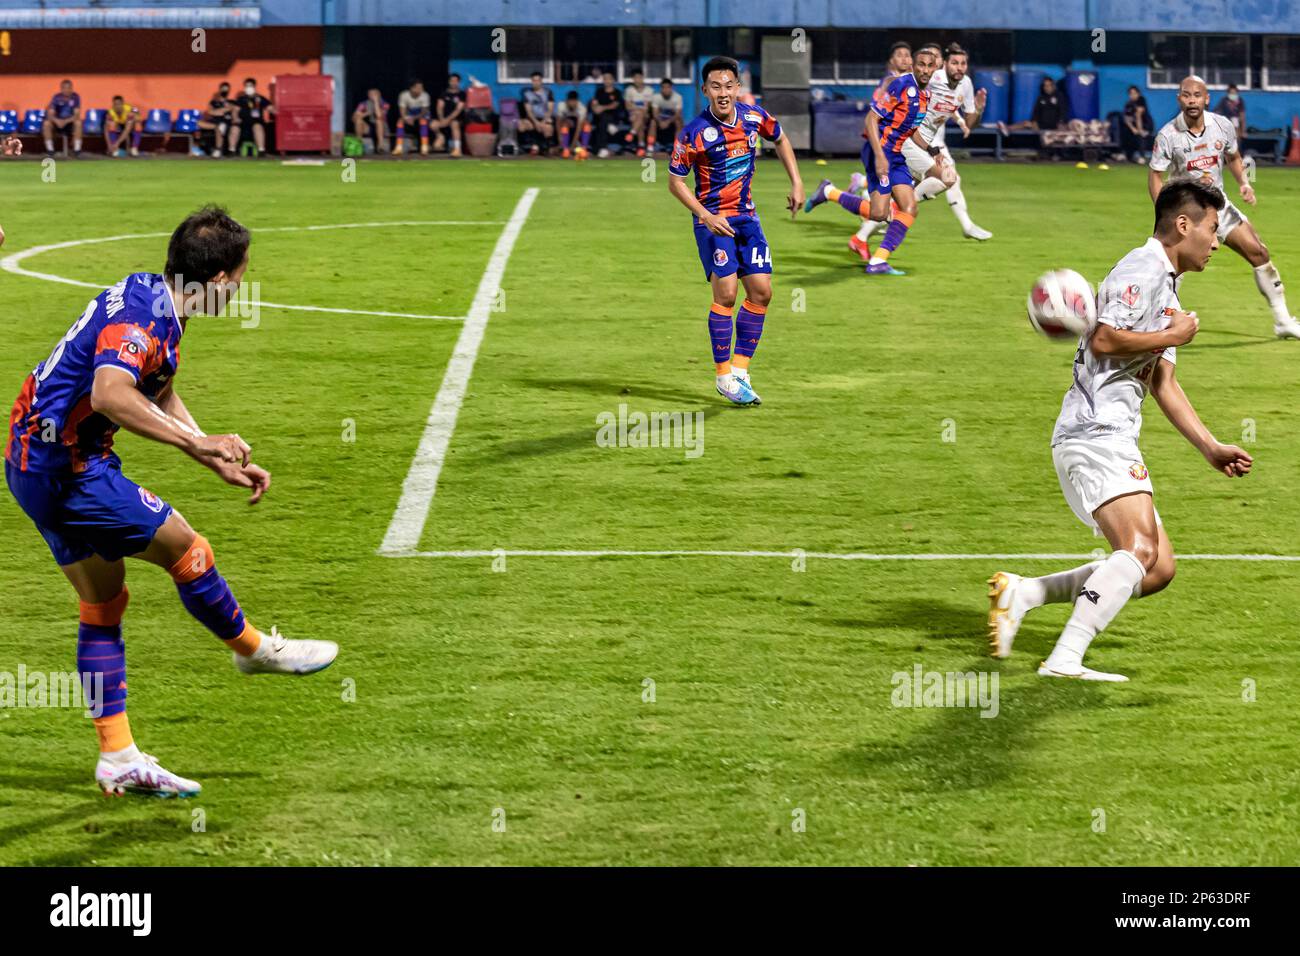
<point x="624" y="77"/>
<point x="1264" y="83"/>
<point x="837" y="80"/>
<point x="548" y="57"/>
<point x="1199" y="65"/>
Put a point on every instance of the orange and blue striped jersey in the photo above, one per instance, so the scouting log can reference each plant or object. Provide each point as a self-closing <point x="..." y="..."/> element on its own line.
<point x="901" y="106"/>
<point x="132" y="326"/>
<point x="723" y="157"/>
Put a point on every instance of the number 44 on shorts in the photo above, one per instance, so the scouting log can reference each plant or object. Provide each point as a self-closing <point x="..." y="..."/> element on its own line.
<point x="760" y="257"/>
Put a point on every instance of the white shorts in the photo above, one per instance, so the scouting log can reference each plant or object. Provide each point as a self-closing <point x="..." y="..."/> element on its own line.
<point x="1093" y="472"/>
<point x="1230" y="217"/>
<point x="919" y="161"/>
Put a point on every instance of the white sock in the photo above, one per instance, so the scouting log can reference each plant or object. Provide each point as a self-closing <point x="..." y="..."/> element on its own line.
<point x="929" y="188"/>
<point x="1270" y="284"/>
<point x="49" y="145"/>
<point x="1105" y="592"/>
<point x="876" y="260"/>
<point x="725" y="378"/>
<point x="957" y="200"/>
<point x="1051" y="588"/>
<point x="869" y="228"/>
<point x="740" y="373"/>
<point x="76" y="145"/>
<point x="121" y="756"/>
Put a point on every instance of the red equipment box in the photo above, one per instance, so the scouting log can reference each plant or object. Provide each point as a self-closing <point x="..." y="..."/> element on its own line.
<point x="304" y="110"/>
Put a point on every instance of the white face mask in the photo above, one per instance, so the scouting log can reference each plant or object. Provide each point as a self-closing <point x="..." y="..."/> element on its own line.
<point x="1233" y="97"/>
<point x="250" y="90"/>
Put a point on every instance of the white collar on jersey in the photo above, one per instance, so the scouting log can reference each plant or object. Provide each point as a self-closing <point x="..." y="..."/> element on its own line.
<point x="1158" y="247"/>
<point x="735" y="109"/>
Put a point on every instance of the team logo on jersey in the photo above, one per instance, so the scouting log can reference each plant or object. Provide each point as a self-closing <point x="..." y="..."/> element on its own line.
<point x="1130" y="296"/>
<point x="910" y="92"/>
<point x="134" y="347"/>
<point x="719" y="257"/>
<point x="1137" y="471"/>
<point x="1218" y="144"/>
<point x="710" y="134"/>
<point x="753" y="140"/>
<point x="151" y="501"/>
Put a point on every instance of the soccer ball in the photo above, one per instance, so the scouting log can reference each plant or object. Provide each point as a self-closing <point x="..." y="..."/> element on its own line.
<point x="1061" y="305"/>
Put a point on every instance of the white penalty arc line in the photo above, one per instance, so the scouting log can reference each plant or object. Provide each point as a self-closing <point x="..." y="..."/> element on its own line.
<point x="794" y="555"/>
<point x="13" y="263"/>
<point x="422" y="479"/>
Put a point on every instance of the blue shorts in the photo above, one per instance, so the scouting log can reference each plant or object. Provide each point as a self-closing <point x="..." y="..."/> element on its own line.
<point x="103" y="513"/>
<point x="746" y="252"/>
<point x="899" y="174"/>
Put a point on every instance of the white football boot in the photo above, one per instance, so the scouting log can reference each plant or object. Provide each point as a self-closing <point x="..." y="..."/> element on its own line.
<point x="142" y="775"/>
<point x="1289" y="329"/>
<point x="977" y="232"/>
<point x="278" y="654"/>
<point x="736" y="390"/>
<point x="1083" y="673"/>
<point x="744" y="377"/>
<point x="1003" y="624"/>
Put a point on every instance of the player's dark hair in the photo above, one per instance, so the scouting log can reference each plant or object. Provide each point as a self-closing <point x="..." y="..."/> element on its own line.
<point x="251" y="79"/>
<point x="535" y="73"/>
<point x="206" y="244"/>
<point x="954" y="49"/>
<point x="1185" y="196"/>
<point x="456" y="75"/>
<point x="725" y="63"/>
<point x="899" y="45"/>
<point x="665" y="80"/>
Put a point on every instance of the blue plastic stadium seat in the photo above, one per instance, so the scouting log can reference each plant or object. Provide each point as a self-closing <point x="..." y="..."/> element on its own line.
<point x="158" y="122"/>
<point x="32" y="121"/>
<point x="187" y="121"/>
<point x="93" y="124"/>
<point x="8" y="121"/>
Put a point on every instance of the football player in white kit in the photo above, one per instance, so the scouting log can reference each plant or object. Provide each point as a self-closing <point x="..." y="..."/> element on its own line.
<point x="1130" y="352"/>
<point x="951" y="91"/>
<point x="1200" y="143"/>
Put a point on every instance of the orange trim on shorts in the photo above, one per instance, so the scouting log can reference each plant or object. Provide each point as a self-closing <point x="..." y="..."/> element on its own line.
<point x="114" y="732"/>
<point x="197" y="560"/>
<point x="751" y="307"/>
<point x="107" y="614"/>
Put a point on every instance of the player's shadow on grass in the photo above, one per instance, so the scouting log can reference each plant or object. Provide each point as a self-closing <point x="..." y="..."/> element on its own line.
<point x="619" y="391"/>
<point x="954" y="748"/>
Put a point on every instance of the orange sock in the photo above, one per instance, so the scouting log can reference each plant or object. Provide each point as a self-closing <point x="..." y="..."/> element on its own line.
<point x="247" y="642"/>
<point x="114" y="733"/>
<point x="833" y="194"/>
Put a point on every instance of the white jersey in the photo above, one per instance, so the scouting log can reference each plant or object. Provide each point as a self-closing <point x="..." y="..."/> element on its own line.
<point x="946" y="101"/>
<point x="1192" y="155"/>
<point x="1105" y="401"/>
<point x="637" y="99"/>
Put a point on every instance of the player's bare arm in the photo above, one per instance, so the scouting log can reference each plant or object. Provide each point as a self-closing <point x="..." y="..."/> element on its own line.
<point x="873" y="137"/>
<point x="1173" y="401"/>
<point x="785" y="153"/>
<point x="1108" y="340"/>
<point x="1155" y="182"/>
<point x="232" y="473"/>
<point x="716" y="224"/>
<point x="114" y="395"/>
<point x="1239" y="174"/>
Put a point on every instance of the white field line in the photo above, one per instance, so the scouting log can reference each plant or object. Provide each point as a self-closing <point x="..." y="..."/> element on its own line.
<point x="812" y="555"/>
<point x="422" y="479"/>
<point x="13" y="263"/>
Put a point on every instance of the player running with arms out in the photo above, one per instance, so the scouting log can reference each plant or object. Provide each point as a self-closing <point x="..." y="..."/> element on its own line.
<point x="1197" y="142"/>
<point x="952" y="95"/>
<point x="895" y="117"/>
<point x="1130" y="352"/>
<point x="116" y="368"/>
<point x="720" y="145"/>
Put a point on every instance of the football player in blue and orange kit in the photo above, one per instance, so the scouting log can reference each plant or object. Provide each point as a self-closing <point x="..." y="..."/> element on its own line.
<point x="894" y="117"/>
<point x="116" y="368"/>
<point x="720" y="145"/>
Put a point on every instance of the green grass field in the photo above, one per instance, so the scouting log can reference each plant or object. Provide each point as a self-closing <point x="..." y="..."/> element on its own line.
<point x="486" y="691"/>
